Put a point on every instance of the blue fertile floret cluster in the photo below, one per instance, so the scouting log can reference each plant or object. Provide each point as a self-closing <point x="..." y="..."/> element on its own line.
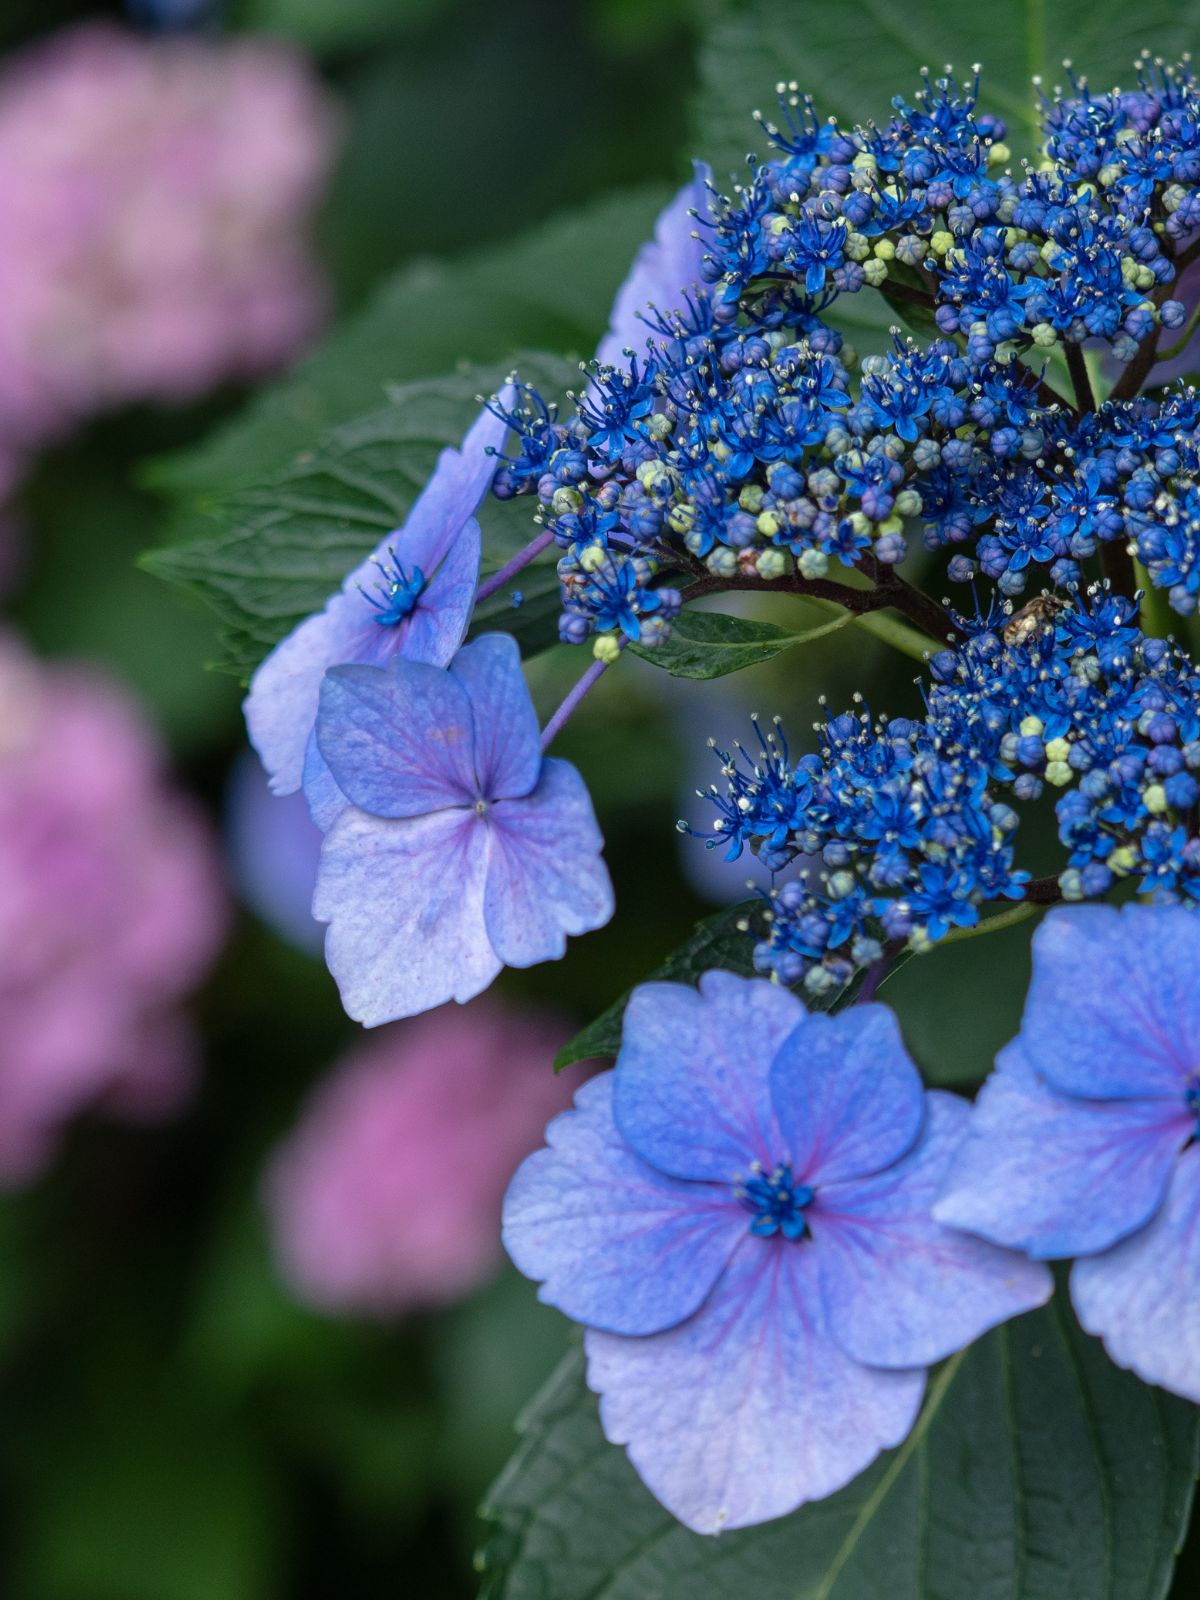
<point x="738" y="446"/>
<point x="902" y="829"/>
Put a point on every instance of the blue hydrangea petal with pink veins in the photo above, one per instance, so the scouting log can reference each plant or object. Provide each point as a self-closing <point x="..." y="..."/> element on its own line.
<point x="1084" y="1139"/>
<point x="747" y="1237"/>
<point x="462" y="849"/>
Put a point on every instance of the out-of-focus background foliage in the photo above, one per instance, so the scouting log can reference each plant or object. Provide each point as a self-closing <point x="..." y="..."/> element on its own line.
<point x="177" y="1425"/>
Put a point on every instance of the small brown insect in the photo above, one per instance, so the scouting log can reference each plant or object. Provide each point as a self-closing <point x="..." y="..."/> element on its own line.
<point x="1034" y="617"/>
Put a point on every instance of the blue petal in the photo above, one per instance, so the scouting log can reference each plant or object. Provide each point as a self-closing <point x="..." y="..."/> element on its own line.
<point x="1142" y="1296"/>
<point x="748" y="1409"/>
<point x="458" y="484"/>
<point x="438" y="623"/>
<point x="614" y="1243"/>
<point x="1054" y="1175"/>
<point x="902" y="1290"/>
<point x="399" y="742"/>
<point x="665" y="269"/>
<point x="404" y="903"/>
<point x="849" y="1100"/>
<point x="1114" y="1001"/>
<point x="326" y="802"/>
<point x="546" y="878"/>
<point x="692" y="1094"/>
<point x="282" y="704"/>
<point x="508" y="754"/>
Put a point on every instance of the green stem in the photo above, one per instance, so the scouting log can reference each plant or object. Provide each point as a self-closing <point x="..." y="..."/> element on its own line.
<point x="1003" y="919"/>
<point x="1156" y="616"/>
<point x="890" y="630"/>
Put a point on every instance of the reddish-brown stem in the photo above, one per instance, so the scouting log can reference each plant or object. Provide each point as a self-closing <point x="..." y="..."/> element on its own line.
<point x="889" y="589"/>
<point x="1042" y="892"/>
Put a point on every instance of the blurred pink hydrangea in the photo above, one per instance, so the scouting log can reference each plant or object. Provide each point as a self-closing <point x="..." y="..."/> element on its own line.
<point x="386" y="1196"/>
<point x="111" y="909"/>
<point x="155" y="196"/>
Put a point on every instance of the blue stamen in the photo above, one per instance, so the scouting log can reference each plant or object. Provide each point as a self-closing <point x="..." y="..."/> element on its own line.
<point x="399" y="592"/>
<point x="777" y="1202"/>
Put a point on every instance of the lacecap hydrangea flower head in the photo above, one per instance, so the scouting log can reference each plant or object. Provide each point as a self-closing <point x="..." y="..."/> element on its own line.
<point x="111" y="910"/>
<point x="385" y="1197"/>
<point x="741" y="450"/>
<point x="739" y="1212"/>
<point x="766" y="1224"/>
<point x="1086" y="1139"/>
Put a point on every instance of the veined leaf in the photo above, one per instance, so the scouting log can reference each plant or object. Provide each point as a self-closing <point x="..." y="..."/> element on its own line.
<point x="852" y="66"/>
<point x="272" y="552"/>
<point x="722" y="940"/>
<point x="550" y="289"/>
<point x="708" y="644"/>
<point x="1036" y="1471"/>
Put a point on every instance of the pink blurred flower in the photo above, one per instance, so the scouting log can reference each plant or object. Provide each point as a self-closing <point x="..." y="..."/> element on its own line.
<point x="386" y="1196"/>
<point x="155" y="196"/>
<point x="111" y="909"/>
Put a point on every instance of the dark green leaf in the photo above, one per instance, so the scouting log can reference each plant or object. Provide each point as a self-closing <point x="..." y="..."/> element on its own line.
<point x="273" y="552"/>
<point x="528" y="608"/>
<point x="550" y="289"/>
<point x="1037" y="1471"/>
<point x="722" y="940"/>
<point x="707" y="644"/>
<point x="911" y="314"/>
<point x="853" y="66"/>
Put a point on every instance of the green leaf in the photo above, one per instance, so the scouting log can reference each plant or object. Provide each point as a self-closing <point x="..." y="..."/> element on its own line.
<point x="1036" y="1471"/>
<point x="917" y="318"/>
<point x="528" y="608"/>
<point x="550" y="289"/>
<point x="722" y="940"/>
<point x="708" y="644"/>
<point x="853" y="65"/>
<point x="274" y="551"/>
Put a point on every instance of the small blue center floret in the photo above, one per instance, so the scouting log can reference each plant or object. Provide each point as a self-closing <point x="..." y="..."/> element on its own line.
<point x="1192" y="1099"/>
<point x="777" y="1202"/>
<point x="398" y="593"/>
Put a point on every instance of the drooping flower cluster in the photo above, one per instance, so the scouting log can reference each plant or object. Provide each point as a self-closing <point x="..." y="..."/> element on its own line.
<point x="155" y="199"/>
<point x="111" y="910"/>
<point x="736" y="445"/>
<point x="385" y="1198"/>
<point x="913" y="823"/>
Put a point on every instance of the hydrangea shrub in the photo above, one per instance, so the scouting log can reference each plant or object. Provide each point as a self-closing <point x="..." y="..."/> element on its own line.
<point x="815" y="1294"/>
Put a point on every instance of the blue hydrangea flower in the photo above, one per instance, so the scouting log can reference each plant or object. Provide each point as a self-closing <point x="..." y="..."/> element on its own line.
<point x="1086" y="1139"/>
<point x="462" y="849"/>
<point x="411" y="597"/>
<point x="740" y="1213"/>
<point x="665" y="268"/>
